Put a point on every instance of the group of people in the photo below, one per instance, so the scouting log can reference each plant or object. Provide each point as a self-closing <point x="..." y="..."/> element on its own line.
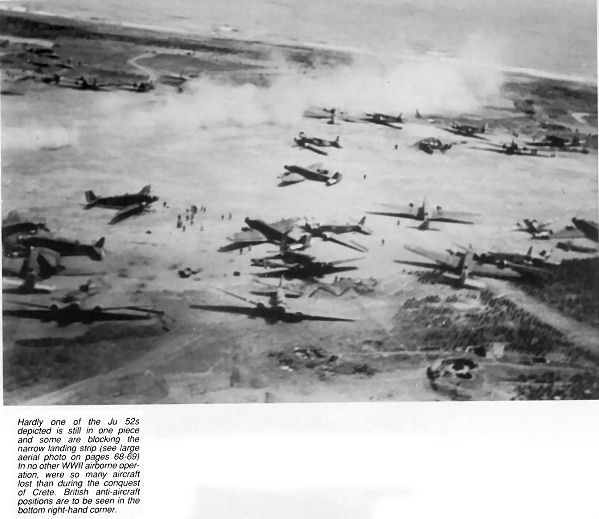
<point x="190" y="213"/>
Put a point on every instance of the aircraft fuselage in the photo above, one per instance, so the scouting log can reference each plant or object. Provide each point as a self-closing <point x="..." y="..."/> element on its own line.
<point x="63" y="247"/>
<point x="122" y="201"/>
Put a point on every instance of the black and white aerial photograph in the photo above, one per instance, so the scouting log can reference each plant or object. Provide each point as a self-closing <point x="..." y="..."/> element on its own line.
<point x="275" y="201"/>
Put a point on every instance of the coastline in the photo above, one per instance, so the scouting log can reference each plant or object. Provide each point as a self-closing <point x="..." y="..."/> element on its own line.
<point x="185" y="39"/>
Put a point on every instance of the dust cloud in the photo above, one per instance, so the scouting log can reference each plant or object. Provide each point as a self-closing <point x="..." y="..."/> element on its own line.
<point x="430" y="83"/>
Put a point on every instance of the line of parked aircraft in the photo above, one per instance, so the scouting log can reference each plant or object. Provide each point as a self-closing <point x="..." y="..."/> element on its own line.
<point x="36" y="252"/>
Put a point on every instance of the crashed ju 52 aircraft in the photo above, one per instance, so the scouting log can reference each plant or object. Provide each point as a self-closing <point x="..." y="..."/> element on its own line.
<point x="295" y="174"/>
<point x="258" y="232"/>
<point x="302" y="266"/>
<point x="56" y="247"/>
<point x="359" y="227"/>
<point x="467" y="130"/>
<point x="325" y="231"/>
<point x="15" y="224"/>
<point x="461" y="267"/>
<point x="309" y="143"/>
<point x="537" y="230"/>
<point x="274" y="311"/>
<point x="514" y="149"/>
<point x="127" y="204"/>
<point x="426" y="214"/>
<point x="384" y="119"/>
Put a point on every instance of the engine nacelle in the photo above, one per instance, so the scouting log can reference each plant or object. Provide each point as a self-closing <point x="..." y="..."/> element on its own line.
<point x="335" y="179"/>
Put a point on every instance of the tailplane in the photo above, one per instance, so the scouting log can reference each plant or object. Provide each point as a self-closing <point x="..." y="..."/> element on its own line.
<point x="90" y="198"/>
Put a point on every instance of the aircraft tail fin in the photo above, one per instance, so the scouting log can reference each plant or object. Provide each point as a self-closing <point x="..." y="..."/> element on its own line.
<point x="90" y="197"/>
<point x="46" y="264"/>
<point x="336" y="142"/>
<point x="483" y="128"/>
<point x="335" y="179"/>
<point x="145" y="190"/>
<point x="26" y="267"/>
<point x="529" y="252"/>
<point x="304" y="241"/>
<point x="100" y="243"/>
<point x="283" y="245"/>
<point x="29" y="283"/>
<point x="362" y="220"/>
<point x="425" y="225"/>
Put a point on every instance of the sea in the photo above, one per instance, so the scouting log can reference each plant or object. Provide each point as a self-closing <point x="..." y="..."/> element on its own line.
<point x="542" y="37"/>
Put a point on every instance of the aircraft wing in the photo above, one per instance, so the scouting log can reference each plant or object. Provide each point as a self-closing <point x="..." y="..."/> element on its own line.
<point x="452" y="216"/>
<point x="351" y="244"/>
<point x="285" y="225"/>
<point x="313" y="149"/>
<point x="446" y="260"/>
<point x="252" y="236"/>
<point x="134" y="308"/>
<point x="20" y="286"/>
<point x="255" y="303"/>
<point x="267" y="292"/>
<point x="314" y="167"/>
<point x="310" y="317"/>
<point x="244" y="310"/>
<point x="568" y="232"/>
<point x="30" y="305"/>
<point x="126" y="212"/>
<point x="404" y="211"/>
<point x="288" y="179"/>
<point x="349" y="260"/>
<point x="465" y="133"/>
<point x="112" y="316"/>
<point x="275" y="273"/>
<point x="42" y="315"/>
<point x="269" y="289"/>
<point x="494" y="271"/>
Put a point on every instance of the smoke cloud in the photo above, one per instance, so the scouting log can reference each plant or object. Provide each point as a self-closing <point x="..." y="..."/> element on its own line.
<point x="431" y="84"/>
<point x="39" y="137"/>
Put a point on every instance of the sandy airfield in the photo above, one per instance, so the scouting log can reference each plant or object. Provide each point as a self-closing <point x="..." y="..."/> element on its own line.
<point x="225" y="154"/>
